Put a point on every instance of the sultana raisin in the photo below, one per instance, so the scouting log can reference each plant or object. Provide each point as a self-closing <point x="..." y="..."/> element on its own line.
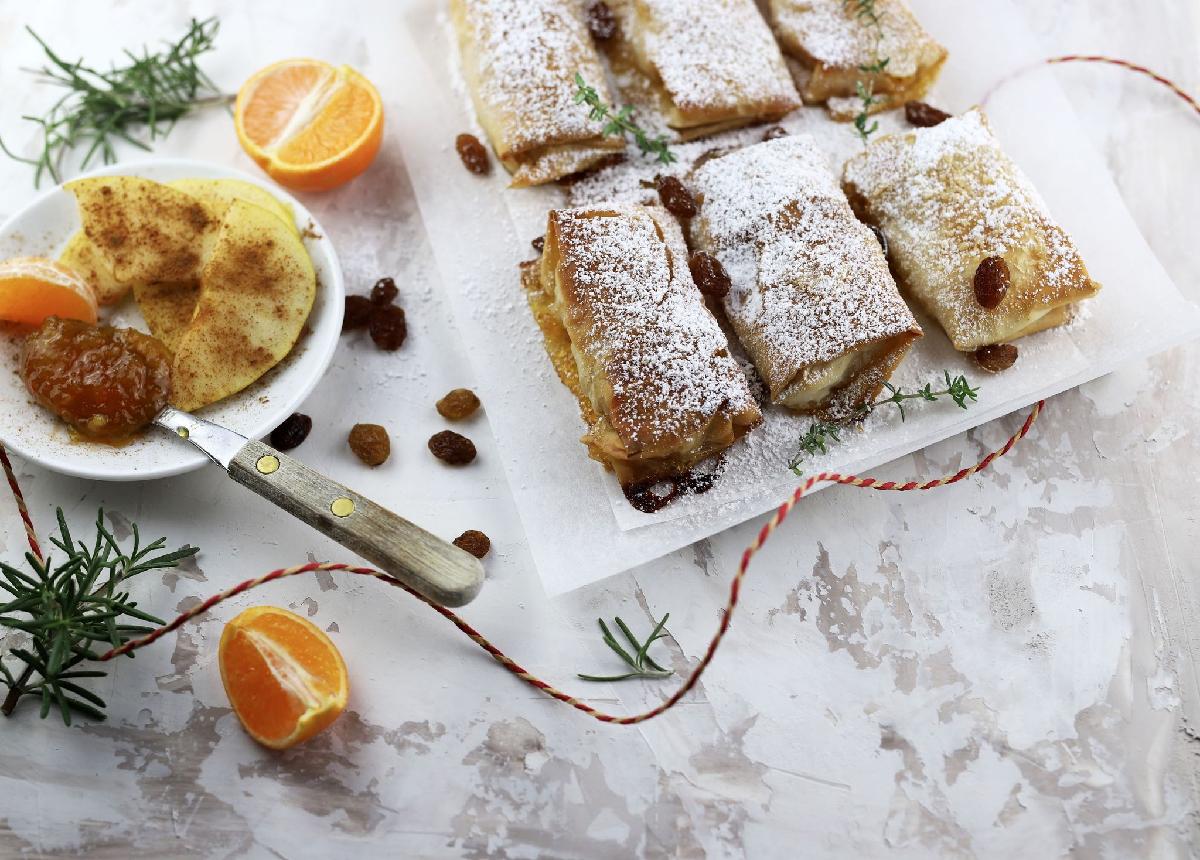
<point x="992" y="280"/>
<point x="675" y="197"/>
<point x="291" y="432"/>
<point x="388" y="328"/>
<point x="474" y="156"/>
<point x="997" y="357"/>
<point x="774" y="133"/>
<point x="384" y="292"/>
<point x="458" y="404"/>
<point x="710" y="276"/>
<point x="539" y="244"/>
<point x="358" y="312"/>
<point x="370" y="443"/>
<point x="474" y="541"/>
<point x="924" y="115"/>
<point x="452" y="448"/>
<point x="601" y="22"/>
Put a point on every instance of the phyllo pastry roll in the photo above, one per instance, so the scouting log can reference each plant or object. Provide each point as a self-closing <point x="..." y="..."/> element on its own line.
<point x="630" y="335"/>
<point x="969" y="238"/>
<point x="835" y="41"/>
<point x="811" y="298"/>
<point x="519" y="59"/>
<point x="709" y="64"/>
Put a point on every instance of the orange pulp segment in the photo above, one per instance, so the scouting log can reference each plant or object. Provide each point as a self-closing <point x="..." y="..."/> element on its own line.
<point x="34" y="288"/>
<point x="284" y="677"/>
<point x="310" y="125"/>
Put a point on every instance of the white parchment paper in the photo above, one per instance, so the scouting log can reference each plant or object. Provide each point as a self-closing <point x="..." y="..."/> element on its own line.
<point x="580" y="527"/>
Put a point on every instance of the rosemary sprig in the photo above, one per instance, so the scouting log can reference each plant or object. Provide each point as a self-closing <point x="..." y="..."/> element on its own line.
<point x="68" y="607"/>
<point x="816" y="439"/>
<point x="866" y="13"/>
<point x="620" y="122"/>
<point x="100" y="108"/>
<point x="641" y="663"/>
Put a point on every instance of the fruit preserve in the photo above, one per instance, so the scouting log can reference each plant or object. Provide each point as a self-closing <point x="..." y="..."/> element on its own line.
<point x="106" y="383"/>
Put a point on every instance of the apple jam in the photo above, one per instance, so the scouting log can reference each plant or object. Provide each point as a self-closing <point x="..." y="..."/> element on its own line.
<point x="106" y="383"/>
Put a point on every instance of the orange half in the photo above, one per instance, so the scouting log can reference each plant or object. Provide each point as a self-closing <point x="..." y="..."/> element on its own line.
<point x="284" y="677"/>
<point x="310" y="125"/>
<point x="34" y="288"/>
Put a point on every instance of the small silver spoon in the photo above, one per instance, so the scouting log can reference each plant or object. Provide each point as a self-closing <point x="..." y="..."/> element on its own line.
<point x="437" y="569"/>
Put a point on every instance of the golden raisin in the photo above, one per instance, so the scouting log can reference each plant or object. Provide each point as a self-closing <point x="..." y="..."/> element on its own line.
<point x="710" y="276"/>
<point x="107" y="383"/>
<point x="474" y="156"/>
<point x="675" y="197"/>
<point x="370" y="443"/>
<point x="992" y="280"/>
<point x="924" y="115"/>
<point x="452" y="448"/>
<point x="459" y="404"/>
<point x="475" y="542"/>
<point x="997" y="357"/>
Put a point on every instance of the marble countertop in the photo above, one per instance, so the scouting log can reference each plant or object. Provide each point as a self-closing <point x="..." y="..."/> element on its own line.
<point x="1005" y="666"/>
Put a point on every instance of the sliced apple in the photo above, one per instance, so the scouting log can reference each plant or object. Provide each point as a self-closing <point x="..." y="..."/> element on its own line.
<point x="167" y="309"/>
<point x="145" y="231"/>
<point x="218" y="194"/>
<point x="256" y="291"/>
<point x="81" y="255"/>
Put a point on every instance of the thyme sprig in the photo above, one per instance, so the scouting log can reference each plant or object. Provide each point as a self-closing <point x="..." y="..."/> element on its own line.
<point x="152" y="89"/>
<point x="640" y="662"/>
<point x="68" y="608"/>
<point x="866" y="13"/>
<point x="817" y="439"/>
<point x="619" y="121"/>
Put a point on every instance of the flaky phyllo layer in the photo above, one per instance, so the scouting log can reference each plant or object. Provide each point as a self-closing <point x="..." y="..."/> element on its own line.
<point x="812" y="300"/>
<point x="948" y="198"/>
<point x="629" y="334"/>
<point x="519" y="59"/>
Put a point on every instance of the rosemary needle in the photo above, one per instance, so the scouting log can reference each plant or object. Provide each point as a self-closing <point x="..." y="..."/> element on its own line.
<point x="150" y="90"/>
<point x="640" y="662"/>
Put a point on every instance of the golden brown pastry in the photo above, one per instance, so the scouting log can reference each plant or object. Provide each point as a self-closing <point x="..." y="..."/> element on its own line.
<point x="951" y="203"/>
<point x="710" y="65"/>
<point x="811" y="300"/>
<point x="519" y="59"/>
<point x="630" y="335"/>
<point x="832" y="41"/>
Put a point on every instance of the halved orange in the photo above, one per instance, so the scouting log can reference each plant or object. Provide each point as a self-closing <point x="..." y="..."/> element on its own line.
<point x="34" y="288"/>
<point x="310" y="125"/>
<point x="285" y="679"/>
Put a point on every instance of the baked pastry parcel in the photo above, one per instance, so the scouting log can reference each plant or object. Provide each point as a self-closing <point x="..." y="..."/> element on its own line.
<point x="951" y="202"/>
<point x="710" y="65"/>
<point x="812" y="300"/>
<point x="833" y="41"/>
<point x="519" y="59"/>
<point x="629" y="334"/>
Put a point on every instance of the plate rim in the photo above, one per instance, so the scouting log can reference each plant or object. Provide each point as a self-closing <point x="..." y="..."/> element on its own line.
<point x="192" y="460"/>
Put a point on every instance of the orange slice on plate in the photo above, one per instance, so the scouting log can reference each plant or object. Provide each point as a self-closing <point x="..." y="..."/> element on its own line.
<point x="34" y="288"/>
<point x="310" y="125"/>
<point x="285" y="679"/>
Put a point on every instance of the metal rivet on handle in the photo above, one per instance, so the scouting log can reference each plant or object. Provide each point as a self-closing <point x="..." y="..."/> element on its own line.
<point x="342" y="507"/>
<point x="267" y="464"/>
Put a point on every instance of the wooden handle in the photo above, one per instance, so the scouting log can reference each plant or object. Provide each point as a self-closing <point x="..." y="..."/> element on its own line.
<point x="439" y="570"/>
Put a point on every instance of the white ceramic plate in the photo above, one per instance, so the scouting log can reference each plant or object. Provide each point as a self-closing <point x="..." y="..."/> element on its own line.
<point x="42" y="229"/>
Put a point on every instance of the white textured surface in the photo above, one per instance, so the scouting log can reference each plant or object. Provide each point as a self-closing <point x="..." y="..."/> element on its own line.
<point x="997" y="669"/>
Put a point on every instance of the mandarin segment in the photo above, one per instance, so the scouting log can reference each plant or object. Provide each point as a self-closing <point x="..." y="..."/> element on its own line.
<point x="32" y="289"/>
<point x="285" y="679"/>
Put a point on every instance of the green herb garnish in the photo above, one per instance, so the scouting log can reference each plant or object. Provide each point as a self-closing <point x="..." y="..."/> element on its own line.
<point x="619" y="122"/>
<point x="640" y="662"/>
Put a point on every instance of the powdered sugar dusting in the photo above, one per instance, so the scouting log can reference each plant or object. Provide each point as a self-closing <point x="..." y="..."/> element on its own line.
<point x="715" y="56"/>
<point x="637" y="313"/>
<point x="831" y="33"/>
<point x="810" y="282"/>
<point x="524" y="55"/>
<point x="947" y="197"/>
